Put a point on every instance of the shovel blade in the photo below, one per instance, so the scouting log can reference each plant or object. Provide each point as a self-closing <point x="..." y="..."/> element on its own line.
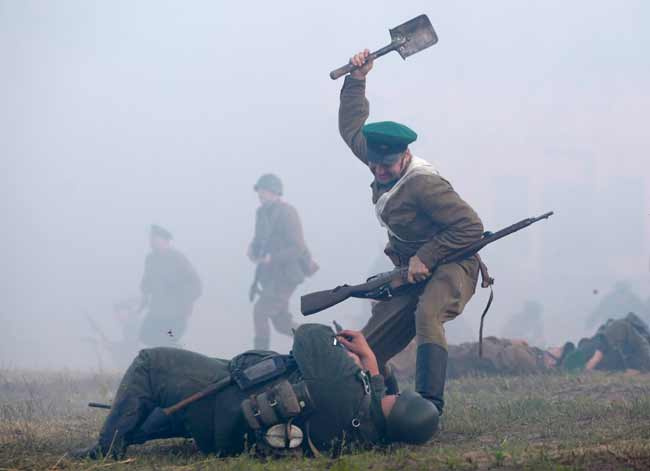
<point x="415" y="35"/>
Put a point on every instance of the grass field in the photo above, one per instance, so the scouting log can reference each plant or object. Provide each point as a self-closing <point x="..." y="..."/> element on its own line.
<point x="593" y="421"/>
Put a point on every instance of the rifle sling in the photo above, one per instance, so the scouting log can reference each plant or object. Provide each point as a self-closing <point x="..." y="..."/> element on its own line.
<point x="480" y="329"/>
<point x="486" y="282"/>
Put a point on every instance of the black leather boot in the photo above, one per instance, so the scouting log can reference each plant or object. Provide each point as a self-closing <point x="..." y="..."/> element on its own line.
<point x="431" y="373"/>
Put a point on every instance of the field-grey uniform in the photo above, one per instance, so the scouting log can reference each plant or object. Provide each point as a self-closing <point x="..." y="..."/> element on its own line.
<point x="346" y="401"/>
<point x="278" y="234"/>
<point x="424" y="216"/>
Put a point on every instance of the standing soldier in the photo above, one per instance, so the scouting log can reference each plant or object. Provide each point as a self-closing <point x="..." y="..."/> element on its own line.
<point x="283" y="260"/>
<point x="169" y="286"/>
<point x="426" y="220"/>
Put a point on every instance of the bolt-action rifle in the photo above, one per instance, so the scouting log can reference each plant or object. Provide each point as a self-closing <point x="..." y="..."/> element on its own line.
<point x="388" y="284"/>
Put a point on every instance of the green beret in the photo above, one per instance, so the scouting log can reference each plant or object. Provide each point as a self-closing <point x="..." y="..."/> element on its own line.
<point x="159" y="231"/>
<point x="387" y="140"/>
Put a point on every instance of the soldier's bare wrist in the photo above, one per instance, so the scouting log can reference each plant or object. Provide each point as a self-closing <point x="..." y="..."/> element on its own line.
<point x="371" y="367"/>
<point x="369" y="362"/>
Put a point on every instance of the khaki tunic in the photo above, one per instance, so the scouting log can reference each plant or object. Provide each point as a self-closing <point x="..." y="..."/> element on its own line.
<point x="500" y="356"/>
<point x="429" y="220"/>
<point x="278" y="233"/>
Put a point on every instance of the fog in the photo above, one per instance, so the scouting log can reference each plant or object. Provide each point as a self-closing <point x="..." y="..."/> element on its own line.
<point x="115" y="115"/>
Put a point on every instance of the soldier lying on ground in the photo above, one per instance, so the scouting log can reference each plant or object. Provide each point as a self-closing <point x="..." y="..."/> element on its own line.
<point x="500" y="356"/>
<point x="328" y="394"/>
<point x="619" y="345"/>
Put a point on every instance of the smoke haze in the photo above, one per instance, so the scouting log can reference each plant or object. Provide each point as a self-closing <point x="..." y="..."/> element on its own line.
<point x="116" y="115"/>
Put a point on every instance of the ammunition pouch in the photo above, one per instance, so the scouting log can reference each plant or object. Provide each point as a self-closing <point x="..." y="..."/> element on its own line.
<point x="281" y="403"/>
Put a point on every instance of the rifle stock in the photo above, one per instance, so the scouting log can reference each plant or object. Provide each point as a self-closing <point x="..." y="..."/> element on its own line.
<point x="320" y="300"/>
<point x="315" y="302"/>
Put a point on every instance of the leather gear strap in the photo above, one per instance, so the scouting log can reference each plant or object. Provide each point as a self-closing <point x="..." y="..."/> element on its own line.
<point x="486" y="282"/>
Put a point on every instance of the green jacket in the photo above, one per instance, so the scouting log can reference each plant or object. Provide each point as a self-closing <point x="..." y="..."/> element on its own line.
<point x="625" y="344"/>
<point x="336" y="387"/>
<point x="346" y="403"/>
<point x="339" y="391"/>
<point x="425" y="210"/>
<point x="278" y="233"/>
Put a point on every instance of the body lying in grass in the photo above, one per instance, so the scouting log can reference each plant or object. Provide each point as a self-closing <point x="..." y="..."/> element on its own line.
<point x="618" y="345"/>
<point x="326" y="395"/>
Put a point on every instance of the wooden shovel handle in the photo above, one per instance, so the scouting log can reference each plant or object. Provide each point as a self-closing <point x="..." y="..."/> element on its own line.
<point x="341" y="71"/>
<point x="347" y="68"/>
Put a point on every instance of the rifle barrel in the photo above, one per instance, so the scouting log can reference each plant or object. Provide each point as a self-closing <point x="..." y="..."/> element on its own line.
<point x="488" y="239"/>
<point x="312" y="303"/>
<point x="99" y="405"/>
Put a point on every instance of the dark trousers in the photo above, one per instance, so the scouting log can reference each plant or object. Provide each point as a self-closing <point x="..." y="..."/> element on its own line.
<point x="273" y="306"/>
<point x="161" y="377"/>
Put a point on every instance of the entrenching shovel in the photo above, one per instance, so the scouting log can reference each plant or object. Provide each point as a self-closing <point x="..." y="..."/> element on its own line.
<point x="407" y="39"/>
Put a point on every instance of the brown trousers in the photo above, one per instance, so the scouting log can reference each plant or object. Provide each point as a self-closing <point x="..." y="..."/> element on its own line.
<point x="273" y="305"/>
<point x="421" y="312"/>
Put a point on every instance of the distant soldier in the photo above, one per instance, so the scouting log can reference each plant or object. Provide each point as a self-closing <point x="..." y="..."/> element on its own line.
<point x="283" y="260"/>
<point x="170" y="286"/>
<point x="619" y="345"/>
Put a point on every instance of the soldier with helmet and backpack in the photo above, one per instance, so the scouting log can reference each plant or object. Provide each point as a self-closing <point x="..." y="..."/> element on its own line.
<point x="278" y="249"/>
<point x="325" y="396"/>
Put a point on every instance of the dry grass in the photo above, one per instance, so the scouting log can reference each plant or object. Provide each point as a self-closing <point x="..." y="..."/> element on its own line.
<point x="540" y="422"/>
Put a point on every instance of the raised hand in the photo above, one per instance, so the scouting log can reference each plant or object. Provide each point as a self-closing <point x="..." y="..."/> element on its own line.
<point x="361" y="60"/>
